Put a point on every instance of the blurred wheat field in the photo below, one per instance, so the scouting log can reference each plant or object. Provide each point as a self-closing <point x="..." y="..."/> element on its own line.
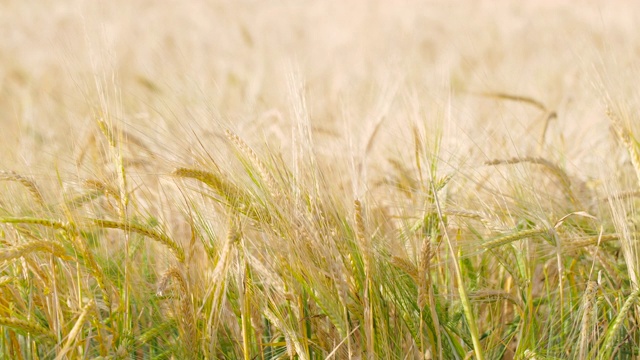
<point x="319" y="180"/>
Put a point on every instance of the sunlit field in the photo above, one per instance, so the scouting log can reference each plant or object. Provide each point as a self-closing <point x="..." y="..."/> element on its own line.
<point x="319" y="179"/>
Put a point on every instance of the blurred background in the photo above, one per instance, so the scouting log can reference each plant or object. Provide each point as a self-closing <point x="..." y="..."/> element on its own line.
<point x="166" y="70"/>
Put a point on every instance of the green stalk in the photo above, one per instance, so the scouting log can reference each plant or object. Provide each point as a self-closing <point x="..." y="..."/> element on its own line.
<point x="466" y="304"/>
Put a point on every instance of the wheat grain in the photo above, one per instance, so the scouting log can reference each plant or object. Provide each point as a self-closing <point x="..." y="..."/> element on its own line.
<point x="154" y="332"/>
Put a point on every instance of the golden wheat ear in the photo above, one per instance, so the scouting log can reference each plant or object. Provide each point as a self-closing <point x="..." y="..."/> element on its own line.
<point x="628" y="140"/>
<point x="28" y="183"/>
<point x="145" y="231"/>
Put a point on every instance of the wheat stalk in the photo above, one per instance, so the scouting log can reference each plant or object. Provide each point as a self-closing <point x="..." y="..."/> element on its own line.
<point x="466" y="303"/>
<point x="425" y="290"/>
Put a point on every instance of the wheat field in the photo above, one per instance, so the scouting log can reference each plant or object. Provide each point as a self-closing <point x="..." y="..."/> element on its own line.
<point x="319" y="179"/>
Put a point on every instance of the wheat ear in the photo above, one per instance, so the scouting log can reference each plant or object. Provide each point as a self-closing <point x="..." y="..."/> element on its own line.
<point x="161" y="238"/>
<point x="262" y="169"/>
<point x="587" y="315"/>
<point x="632" y="145"/>
<point x="557" y="171"/>
<point x="21" y="250"/>
<point x="187" y="320"/>
<point x="507" y="239"/>
<point x="123" y="196"/>
<point x="612" y="331"/>
<point x="29" y="184"/>
<point x="71" y="337"/>
<point x="365" y="246"/>
<point x="406" y="266"/>
<point x="28" y="327"/>
<point x="36" y="221"/>
<point x="237" y="199"/>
